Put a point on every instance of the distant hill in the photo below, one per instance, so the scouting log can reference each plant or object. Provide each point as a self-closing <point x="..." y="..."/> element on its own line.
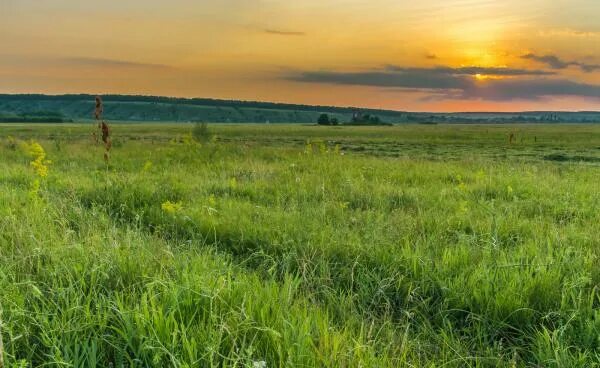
<point x="37" y="108"/>
<point x="152" y="108"/>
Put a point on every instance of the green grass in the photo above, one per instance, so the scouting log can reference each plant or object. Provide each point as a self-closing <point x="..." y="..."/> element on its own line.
<point x="303" y="246"/>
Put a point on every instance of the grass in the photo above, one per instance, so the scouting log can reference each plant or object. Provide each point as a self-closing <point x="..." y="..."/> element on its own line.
<point x="302" y="246"/>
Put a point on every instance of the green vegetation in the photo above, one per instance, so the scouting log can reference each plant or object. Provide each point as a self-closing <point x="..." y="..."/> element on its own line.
<point x="323" y="120"/>
<point x="34" y="117"/>
<point x="273" y="246"/>
<point x="169" y="109"/>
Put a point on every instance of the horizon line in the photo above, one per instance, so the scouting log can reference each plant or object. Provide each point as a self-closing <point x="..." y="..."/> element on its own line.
<point x="297" y="104"/>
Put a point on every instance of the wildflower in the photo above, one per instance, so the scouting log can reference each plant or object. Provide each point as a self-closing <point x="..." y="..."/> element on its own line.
<point x="40" y="168"/>
<point x="461" y="184"/>
<point x="212" y="202"/>
<point x="259" y="364"/>
<point x="39" y="163"/>
<point x="509" y="189"/>
<point x="172" y="207"/>
<point x="147" y="166"/>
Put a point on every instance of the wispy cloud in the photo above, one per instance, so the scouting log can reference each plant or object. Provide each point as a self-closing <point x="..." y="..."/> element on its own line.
<point x="555" y="62"/>
<point x="100" y="62"/>
<point x="279" y="32"/>
<point x="569" y="32"/>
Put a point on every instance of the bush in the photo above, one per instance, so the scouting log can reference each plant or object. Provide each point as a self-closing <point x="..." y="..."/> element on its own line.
<point x="200" y="132"/>
<point x="323" y="120"/>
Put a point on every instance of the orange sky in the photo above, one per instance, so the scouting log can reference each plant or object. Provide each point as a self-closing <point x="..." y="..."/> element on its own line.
<point x="430" y="55"/>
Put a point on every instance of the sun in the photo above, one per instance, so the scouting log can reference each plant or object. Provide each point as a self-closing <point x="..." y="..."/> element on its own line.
<point x="484" y="77"/>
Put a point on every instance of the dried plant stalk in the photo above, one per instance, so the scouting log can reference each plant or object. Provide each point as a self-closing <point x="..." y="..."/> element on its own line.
<point x="103" y="127"/>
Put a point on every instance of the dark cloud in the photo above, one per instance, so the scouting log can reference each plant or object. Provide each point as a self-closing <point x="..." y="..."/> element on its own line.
<point x="457" y="83"/>
<point x="551" y="60"/>
<point x="470" y="70"/>
<point x="99" y="62"/>
<point x="555" y="62"/>
<point x="279" y="32"/>
<point x="529" y="89"/>
<point x="386" y="78"/>
<point x="419" y="78"/>
<point x="431" y="56"/>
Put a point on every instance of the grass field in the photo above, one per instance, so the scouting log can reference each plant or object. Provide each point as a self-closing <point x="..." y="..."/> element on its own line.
<point x="301" y="246"/>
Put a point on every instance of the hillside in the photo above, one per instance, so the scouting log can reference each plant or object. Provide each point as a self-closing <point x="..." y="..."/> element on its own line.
<point x="151" y="108"/>
<point x="37" y="108"/>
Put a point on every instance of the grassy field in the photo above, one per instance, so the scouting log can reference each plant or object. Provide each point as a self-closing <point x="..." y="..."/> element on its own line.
<point x="301" y="246"/>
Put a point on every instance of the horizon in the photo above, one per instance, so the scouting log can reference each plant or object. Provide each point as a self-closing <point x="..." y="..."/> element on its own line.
<point x="299" y="104"/>
<point x="440" y="57"/>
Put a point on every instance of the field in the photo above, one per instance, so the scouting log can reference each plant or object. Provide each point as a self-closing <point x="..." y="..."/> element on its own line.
<point x="301" y="246"/>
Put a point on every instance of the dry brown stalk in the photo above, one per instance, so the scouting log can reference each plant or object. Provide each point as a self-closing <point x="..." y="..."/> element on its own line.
<point x="103" y="127"/>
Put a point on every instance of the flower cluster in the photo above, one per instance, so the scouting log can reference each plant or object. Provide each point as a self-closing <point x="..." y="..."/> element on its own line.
<point x="172" y="207"/>
<point x="39" y="163"/>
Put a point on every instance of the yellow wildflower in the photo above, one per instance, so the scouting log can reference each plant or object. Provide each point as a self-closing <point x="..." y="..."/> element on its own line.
<point x="39" y="163"/>
<point x="171" y="207"/>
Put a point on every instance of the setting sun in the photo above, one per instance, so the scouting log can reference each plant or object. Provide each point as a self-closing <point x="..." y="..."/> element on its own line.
<point x="312" y="183"/>
<point x="316" y="52"/>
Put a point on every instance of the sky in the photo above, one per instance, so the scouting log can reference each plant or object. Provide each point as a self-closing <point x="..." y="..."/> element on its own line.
<point x="426" y="55"/>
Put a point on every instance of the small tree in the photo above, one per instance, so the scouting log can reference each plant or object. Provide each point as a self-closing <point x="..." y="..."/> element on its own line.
<point x="323" y="120"/>
<point x="374" y="119"/>
<point x="334" y="121"/>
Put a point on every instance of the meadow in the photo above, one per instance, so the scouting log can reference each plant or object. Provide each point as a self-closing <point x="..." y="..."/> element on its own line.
<point x="300" y="246"/>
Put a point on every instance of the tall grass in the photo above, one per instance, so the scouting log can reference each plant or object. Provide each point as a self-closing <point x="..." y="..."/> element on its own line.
<point x="250" y="250"/>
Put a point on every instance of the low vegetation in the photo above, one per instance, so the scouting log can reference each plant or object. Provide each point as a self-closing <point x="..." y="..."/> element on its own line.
<point x="272" y="246"/>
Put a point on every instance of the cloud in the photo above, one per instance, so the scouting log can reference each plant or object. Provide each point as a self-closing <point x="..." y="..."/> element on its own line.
<point x="419" y="78"/>
<point x="431" y="56"/>
<point x="529" y="89"/>
<point x="385" y="78"/>
<point x="470" y="70"/>
<point x="555" y="62"/>
<point x="279" y="32"/>
<point x="457" y="83"/>
<point x="569" y="32"/>
<point x="100" y="62"/>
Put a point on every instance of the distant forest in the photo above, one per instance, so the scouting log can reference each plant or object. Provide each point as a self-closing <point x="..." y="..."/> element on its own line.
<point x="134" y="108"/>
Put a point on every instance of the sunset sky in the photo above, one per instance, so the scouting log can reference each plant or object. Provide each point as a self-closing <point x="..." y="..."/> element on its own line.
<point x="427" y="55"/>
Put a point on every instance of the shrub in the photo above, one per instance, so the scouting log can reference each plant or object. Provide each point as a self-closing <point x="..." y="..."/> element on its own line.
<point x="323" y="120"/>
<point x="200" y="132"/>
